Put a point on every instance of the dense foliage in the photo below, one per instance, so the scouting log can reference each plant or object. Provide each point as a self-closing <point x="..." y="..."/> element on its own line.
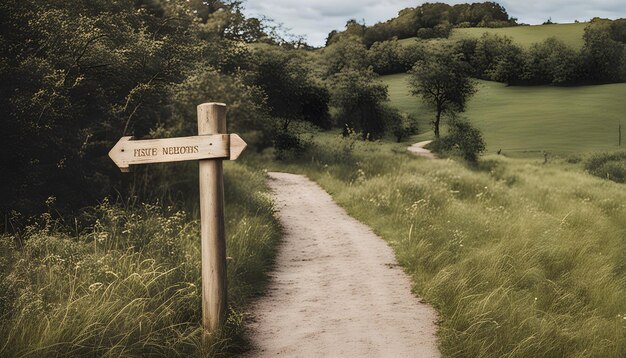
<point x="602" y="59"/>
<point x="77" y="75"/>
<point x="462" y="139"/>
<point x="357" y="95"/>
<point x="292" y="92"/>
<point x="360" y="102"/>
<point x="426" y="21"/>
<point x="611" y="166"/>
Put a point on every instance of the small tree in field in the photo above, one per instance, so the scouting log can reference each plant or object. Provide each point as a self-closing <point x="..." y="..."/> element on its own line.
<point x="443" y="82"/>
<point x="464" y="140"/>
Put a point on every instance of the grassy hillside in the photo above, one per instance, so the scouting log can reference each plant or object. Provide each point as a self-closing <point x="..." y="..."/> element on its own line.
<point x="571" y="34"/>
<point x="519" y="120"/>
<point x="521" y="259"/>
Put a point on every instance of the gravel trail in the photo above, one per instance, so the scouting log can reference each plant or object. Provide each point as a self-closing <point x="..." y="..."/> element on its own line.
<point x="337" y="290"/>
<point x="418" y="149"/>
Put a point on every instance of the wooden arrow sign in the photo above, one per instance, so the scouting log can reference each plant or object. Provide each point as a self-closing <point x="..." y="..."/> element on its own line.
<point x="130" y="152"/>
<point x="209" y="147"/>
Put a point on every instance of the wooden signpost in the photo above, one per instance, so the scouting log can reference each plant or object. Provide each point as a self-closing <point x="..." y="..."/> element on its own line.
<point x="210" y="147"/>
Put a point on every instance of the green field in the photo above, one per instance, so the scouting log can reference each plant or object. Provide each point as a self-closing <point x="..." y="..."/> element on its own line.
<point x="570" y="34"/>
<point x="523" y="120"/>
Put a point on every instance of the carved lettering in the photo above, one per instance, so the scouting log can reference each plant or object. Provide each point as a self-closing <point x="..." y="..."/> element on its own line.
<point x="189" y="149"/>
<point x="145" y="152"/>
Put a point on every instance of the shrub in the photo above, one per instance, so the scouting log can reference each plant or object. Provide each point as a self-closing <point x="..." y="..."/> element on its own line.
<point x="611" y="166"/>
<point x="425" y="33"/>
<point x="401" y="125"/>
<point x="291" y="141"/>
<point x="550" y="62"/>
<point x="388" y="57"/>
<point x="463" y="139"/>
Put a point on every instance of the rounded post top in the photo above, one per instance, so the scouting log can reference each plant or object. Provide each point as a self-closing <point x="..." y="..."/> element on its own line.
<point x="212" y="104"/>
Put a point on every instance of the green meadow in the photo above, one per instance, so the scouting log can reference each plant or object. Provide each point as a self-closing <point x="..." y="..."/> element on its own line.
<point x="520" y="258"/>
<point x="525" y="120"/>
<point x="570" y="34"/>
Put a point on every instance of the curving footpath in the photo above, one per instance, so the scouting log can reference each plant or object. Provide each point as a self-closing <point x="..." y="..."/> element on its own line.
<point x="419" y="150"/>
<point x="337" y="290"/>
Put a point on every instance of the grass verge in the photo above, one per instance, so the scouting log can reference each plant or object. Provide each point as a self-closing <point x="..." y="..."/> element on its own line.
<point x="129" y="284"/>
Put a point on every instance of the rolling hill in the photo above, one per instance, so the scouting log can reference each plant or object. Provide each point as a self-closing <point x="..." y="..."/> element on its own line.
<point x="570" y="34"/>
<point x="526" y="120"/>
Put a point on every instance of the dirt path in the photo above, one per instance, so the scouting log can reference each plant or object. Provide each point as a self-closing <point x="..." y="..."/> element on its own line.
<point x="337" y="290"/>
<point x="418" y="149"/>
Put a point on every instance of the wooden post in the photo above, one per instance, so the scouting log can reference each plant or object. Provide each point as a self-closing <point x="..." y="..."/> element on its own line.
<point x="210" y="147"/>
<point x="212" y="120"/>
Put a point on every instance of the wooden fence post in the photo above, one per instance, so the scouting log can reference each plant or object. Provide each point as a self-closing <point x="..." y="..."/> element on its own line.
<point x="212" y="120"/>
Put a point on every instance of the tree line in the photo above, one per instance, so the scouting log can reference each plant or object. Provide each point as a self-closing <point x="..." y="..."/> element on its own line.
<point x="602" y="59"/>
<point x="426" y="21"/>
<point x="493" y="57"/>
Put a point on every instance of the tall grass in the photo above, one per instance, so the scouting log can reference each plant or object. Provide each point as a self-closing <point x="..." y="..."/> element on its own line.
<point x="129" y="285"/>
<point x="521" y="259"/>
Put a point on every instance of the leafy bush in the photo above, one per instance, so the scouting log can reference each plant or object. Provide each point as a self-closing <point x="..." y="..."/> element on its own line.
<point x="551" y="62"/>
<point x="496" y="58"/>
<point x="439" y="31"/>
<point x="463" y="139"/>
<point x="611" y="166"/>
<point x="291" y="91"/>
<point x="401" y="125"/>
<point x="77" y="75"/>
<point x="292" y="140"/>
<point x="387" y="57"/>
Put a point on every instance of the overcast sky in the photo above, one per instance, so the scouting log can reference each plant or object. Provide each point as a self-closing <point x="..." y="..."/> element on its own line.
<point x="316" y="18"/>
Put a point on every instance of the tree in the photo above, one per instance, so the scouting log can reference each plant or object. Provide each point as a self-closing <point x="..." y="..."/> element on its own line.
<point x="464" y="139"/>
<point x="291" y="91"/>
<point x="443" y="82"/>
<point x="602" y="56"/>
<point x="386" y="57"/>
<point x="496" y="58"/>
<point x="359" y="99"/>
<point x="76" y="76"/>
<point x="550" y="62"/>
<point x="79" y="74"/>
<point x="347" y="53"/>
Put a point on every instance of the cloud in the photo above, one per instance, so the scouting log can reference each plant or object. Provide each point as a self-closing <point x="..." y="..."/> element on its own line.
<point x="315" y="19"/>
